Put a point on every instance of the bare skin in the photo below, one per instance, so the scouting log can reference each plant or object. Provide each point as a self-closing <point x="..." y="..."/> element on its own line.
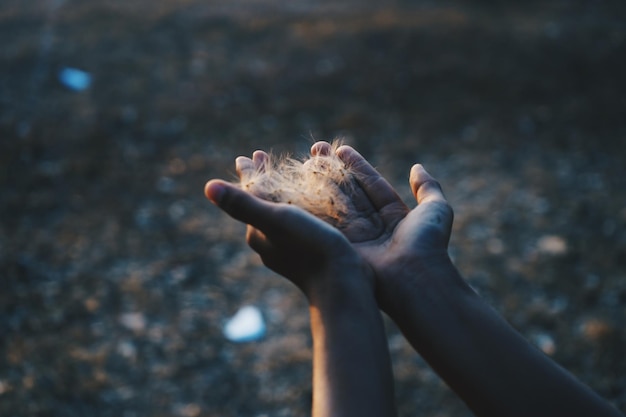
<point x="479" y="355"/>
<point x="351" y="366"/>
<point x="400" y="255"/>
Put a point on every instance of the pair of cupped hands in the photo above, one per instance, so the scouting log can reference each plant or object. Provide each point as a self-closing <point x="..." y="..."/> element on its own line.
<point x="383" y="238"/>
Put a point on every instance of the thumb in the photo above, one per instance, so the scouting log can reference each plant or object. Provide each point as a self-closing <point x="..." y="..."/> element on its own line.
<point x="241" y="205"/>
<point x="425" y="188"/>
<point x="275" y="221"/>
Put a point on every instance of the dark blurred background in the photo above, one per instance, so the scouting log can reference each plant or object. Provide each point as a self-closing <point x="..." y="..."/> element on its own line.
<point x="117" y="276"/>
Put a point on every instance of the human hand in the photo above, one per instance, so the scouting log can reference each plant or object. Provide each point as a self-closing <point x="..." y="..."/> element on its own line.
<point x="292" y="242"/>
<point x="351" y="366"/>
<point x="391" y="237"/>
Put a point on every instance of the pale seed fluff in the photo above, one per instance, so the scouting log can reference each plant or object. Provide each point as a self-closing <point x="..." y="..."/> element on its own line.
<point x="321" y="184"/>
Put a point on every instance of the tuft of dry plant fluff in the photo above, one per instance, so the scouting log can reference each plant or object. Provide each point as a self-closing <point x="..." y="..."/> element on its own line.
<point x="319" y="184"/>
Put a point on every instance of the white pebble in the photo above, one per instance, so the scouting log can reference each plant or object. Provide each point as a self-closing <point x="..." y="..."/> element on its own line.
<point x="545" y="342"/>
<point x="552" y="245"/>
<point x="245" y="326"/>
<point x="133" y="321"/>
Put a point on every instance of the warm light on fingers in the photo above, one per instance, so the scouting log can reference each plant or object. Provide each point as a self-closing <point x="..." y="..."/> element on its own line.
<point x="316" y="184"/>
<point x="321" y="148"/>
<point x="259" y="158"/>
<point x="425" y="188"/>
<point x="243" y="165"/>
<point x="214" y="190"/>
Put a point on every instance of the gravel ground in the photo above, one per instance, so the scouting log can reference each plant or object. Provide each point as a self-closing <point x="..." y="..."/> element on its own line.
<point x="117" y="276"/>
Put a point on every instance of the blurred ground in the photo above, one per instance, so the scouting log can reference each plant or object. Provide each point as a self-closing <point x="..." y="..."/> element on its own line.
<point x="117" y="275"/>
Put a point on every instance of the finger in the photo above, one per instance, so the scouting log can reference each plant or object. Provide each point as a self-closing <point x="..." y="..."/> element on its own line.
<point x="378" y="190"/>
<point x="260" y="159"/>
<point x="321" y="148"/>
<point x="245" y="167"/>
<point x="243" y="206"/>
<point x="278" y="222"/>
<point x="258" y="241"/>
<point x="319" y="161"/>
<point x="425" y="188"/>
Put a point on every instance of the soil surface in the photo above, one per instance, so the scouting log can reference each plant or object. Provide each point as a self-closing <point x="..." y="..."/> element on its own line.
<point x="117" y="276"/>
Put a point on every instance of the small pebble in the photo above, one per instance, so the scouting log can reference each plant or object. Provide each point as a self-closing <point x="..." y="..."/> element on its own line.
<point x="246" y="325"/>
<point x="595" y="329"/>
<point x="552" y="245"/>
<point x="133" y="321"/>
<point x="75" y="79"/>
<point x="545" y="342"/>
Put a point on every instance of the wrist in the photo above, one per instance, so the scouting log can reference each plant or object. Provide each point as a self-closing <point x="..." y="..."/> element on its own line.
<point x="411" y="279"/>
<point x="352" y="284"/>
<point x="351" y="365"/>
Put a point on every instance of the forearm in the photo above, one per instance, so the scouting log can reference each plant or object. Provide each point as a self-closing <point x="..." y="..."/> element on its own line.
<point x="480" y="356"/>
<point x="351" y="366"/>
